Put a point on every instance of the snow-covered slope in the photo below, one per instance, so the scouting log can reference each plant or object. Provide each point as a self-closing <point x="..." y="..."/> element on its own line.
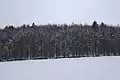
<point x="104" y="68"/>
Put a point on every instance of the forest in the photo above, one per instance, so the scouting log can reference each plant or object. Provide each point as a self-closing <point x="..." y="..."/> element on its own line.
<point x="53" y="41"/>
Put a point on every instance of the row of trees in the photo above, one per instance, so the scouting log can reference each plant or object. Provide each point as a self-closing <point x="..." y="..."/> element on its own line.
<point x="59" y="41"/>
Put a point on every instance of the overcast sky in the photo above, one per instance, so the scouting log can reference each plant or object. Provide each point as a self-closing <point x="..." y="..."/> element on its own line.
<point x="20" y="12"/>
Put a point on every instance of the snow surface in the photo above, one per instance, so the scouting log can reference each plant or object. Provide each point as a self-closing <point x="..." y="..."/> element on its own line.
<point x="103" y="68"/>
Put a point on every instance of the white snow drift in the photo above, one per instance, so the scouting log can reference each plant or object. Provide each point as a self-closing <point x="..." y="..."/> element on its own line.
<point x="104" y="68"/>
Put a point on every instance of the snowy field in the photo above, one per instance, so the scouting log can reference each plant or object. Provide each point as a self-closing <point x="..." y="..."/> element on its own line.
<point x="104" y="68"/>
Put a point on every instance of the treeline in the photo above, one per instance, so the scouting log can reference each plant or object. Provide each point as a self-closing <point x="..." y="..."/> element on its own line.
<point x="59" y="41"/>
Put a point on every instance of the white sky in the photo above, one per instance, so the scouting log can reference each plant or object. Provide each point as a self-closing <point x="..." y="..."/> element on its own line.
<point x="19" y="12"/>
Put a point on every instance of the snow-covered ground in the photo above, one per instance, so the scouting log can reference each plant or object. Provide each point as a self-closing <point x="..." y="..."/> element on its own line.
<point x="103" y="68"/>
